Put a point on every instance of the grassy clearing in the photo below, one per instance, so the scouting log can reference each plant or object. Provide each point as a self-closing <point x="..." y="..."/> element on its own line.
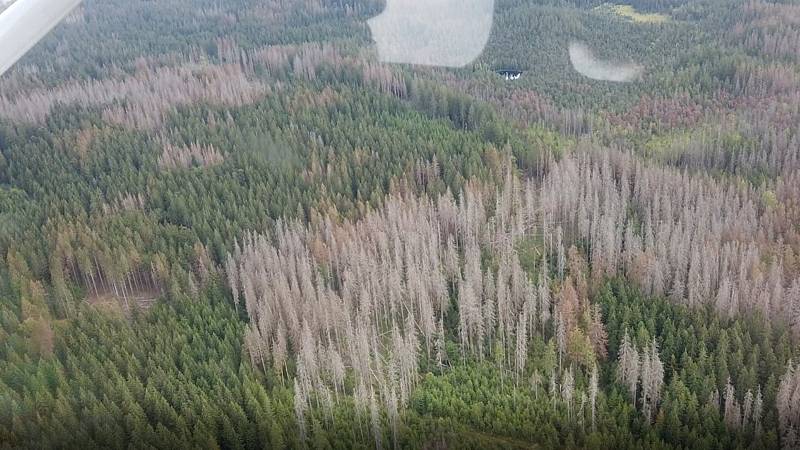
<point x="630" y="13"/>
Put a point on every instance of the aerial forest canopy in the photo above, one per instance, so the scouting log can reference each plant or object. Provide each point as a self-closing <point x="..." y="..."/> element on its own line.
<point x="228" y="225"/>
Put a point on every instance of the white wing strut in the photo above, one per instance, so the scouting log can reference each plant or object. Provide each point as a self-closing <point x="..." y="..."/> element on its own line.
<point x="25" y="22"/>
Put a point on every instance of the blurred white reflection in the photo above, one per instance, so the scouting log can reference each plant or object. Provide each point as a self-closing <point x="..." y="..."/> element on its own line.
<point x="585" y="63"/>
<point x="449" y="33"/>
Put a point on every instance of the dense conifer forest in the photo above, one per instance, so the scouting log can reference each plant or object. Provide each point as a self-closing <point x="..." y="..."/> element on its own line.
<point x="228" y="225"/>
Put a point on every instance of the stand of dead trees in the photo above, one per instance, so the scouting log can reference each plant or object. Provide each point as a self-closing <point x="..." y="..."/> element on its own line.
<point x="375" y="297"/>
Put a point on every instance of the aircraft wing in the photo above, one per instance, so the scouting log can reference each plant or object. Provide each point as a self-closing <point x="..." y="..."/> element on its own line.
<point x="25" y="22"/>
